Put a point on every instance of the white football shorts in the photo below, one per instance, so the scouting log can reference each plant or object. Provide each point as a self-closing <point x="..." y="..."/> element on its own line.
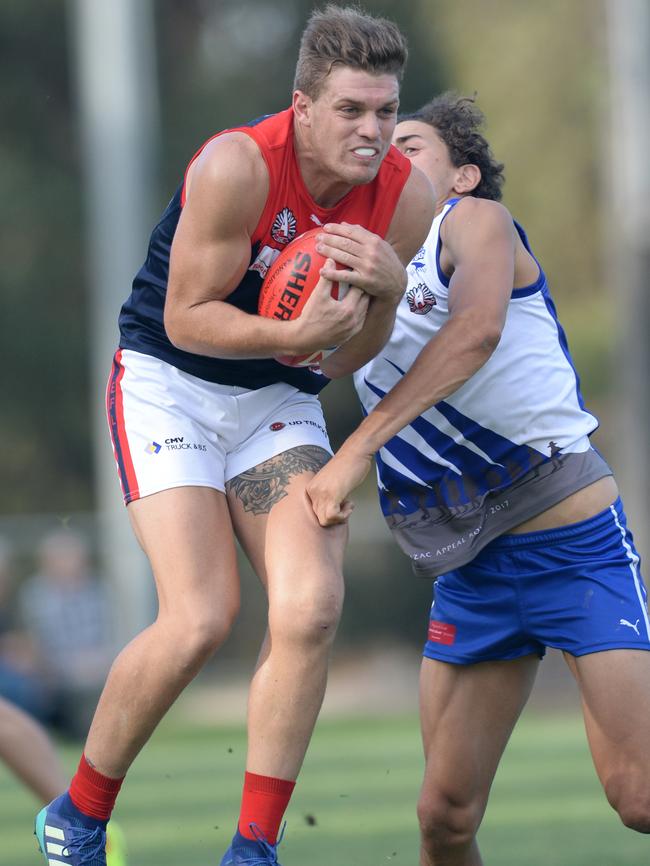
<point x="170" y="429"/>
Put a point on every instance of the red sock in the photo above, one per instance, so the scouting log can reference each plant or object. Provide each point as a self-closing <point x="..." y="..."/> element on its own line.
<point x="92" y="793"/>
<point x="264" y="802"/>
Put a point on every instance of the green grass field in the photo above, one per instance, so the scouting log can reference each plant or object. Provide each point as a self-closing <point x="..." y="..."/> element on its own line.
<point x="355" y="803"/>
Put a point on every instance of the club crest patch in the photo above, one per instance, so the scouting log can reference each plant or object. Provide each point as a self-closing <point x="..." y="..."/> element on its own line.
<point x="420" y="299"/>
<point x="283" y="229"/>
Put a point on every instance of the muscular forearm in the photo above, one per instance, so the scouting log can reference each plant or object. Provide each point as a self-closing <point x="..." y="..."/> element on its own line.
<point x="221" y="330"/>
<point x="367" y="343"/>
<point x="458" y="350"/>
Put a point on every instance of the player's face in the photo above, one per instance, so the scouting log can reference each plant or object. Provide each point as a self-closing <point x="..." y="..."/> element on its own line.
<point x="420" y="143"/>
<point x="351" y="123"/>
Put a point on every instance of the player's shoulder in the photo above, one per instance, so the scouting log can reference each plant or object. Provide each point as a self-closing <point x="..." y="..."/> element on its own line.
<point x="413" y="215"/>
<point x="475" y="214"/>
<point x="417" y="195"/>
<point x="230" y="168"/>
<point x="420" y="195"/>
<point x="232" y="154"/>
<point x="470" y="206"/>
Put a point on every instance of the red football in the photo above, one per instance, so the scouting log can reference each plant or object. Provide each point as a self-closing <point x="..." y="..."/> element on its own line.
<point x="288" y="284"/>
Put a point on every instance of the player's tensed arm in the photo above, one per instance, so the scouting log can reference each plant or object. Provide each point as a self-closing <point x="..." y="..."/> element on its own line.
<point x="378" y="267"/>
<point x="479" y="245"/>
<point x="227" y="187"/>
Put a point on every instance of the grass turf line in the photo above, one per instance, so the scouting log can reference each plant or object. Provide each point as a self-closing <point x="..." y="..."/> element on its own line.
<point x="355" y="801"/>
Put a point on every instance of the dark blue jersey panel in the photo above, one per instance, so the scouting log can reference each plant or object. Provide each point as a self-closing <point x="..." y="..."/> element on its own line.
<point x="142" y="327"/>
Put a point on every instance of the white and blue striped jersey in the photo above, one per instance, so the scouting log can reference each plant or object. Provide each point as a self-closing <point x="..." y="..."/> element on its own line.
<point x="517" y="418"/>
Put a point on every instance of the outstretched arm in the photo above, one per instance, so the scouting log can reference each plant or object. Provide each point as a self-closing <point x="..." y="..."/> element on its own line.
<point x="479" y="244"/>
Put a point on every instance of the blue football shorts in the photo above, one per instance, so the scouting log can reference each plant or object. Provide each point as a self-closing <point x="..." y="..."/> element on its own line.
<point x="576" y="588"/>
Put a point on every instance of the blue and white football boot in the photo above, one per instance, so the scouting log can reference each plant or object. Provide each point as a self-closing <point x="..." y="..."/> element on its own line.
<point x="65" y="838"/>
<point x="252" y="852"/>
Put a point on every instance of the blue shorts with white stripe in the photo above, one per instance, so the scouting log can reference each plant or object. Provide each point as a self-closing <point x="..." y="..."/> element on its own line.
<point x="577" y="588"/>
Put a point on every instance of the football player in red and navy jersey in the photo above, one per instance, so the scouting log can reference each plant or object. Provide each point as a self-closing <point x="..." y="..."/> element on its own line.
<point x="214" y="438"/>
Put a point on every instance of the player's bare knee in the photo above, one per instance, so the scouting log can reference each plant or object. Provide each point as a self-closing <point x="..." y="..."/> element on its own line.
<point x="211" y="632"/>
<point x="635" y="815"/>
<point x="630" y="797"/>
<point x="307" y="619"/>
<point x="445" y="824"/>
<point x="197" y="636"/>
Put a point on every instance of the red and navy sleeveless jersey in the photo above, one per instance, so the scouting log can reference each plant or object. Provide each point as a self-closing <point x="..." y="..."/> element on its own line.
<point x="289" y="211"/>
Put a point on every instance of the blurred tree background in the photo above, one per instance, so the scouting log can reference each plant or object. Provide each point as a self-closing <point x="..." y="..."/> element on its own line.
<point x="539" y="74"/>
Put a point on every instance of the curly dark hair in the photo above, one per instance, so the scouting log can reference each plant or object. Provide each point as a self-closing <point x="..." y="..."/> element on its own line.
<point x="457" y="120"/>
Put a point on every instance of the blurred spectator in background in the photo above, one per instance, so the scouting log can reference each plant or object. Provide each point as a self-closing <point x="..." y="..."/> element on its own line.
<point x="20" y="682"/>
<point x="25" y="746"/>
<point x="66" y="611"/>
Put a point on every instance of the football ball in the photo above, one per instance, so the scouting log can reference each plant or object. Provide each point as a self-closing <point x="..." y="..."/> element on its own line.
<point x="287" y="286"/>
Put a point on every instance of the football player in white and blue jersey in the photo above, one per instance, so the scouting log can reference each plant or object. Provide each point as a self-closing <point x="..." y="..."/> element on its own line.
<point x="490" y="485"/>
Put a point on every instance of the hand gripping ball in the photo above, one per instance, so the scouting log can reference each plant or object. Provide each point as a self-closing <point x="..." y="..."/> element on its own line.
<point x="287" y="286"/>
